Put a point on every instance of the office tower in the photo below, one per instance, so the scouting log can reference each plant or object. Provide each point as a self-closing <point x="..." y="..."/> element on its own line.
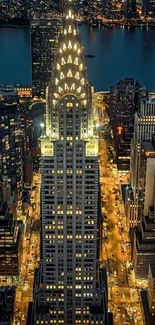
<point x="144" y="245"/>
<point x="146" y="188"/>
<point x="10" y="246"/>
<point x="140" y="92"/>
<point x="10" y="141"/>
<point x="44" y="38"/>
<point x="122" y="104"/>
<point x="107" y="7"/>
<point x="148" y="8"/>
<point x="70" y="291"/>
<point x="151" y="288"/>
<point x="94" y="10"/>
<point x="144" y="128"/>
<point x="131" y="9"/>
<point x="7" y="297"/>
<point x="121" y="113"/>
<point x="147" y="176"/>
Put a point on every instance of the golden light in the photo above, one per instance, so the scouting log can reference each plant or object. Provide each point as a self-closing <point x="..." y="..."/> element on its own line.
<point x="62" y="76"/>
<point x="58" y="66"/>
<point x="69" y="74"/>
<point x="69" y="45"/>
<point x="76" y="61"/>
<point x="82" y="81"/>
<point x="63" y="61"/>
<point x="77" y="75"/>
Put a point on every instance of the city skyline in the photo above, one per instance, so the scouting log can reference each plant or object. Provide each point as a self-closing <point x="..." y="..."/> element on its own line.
<point x="77" y="166"/>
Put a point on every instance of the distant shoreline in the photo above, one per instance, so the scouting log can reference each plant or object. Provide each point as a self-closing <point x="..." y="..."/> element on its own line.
<point x="14" y="26"/>
<point x="15" y="23"/>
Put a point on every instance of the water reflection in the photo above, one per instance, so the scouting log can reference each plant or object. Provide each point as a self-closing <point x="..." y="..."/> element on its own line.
<point x="120" y="52"/>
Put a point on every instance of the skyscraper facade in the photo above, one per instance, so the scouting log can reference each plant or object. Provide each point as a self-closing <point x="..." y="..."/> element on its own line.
<point x="144" y="128"/>
<point x="131" y="9"/>
<point x="44" y="37"/>
<point x="121" y="113"/>
<point x="70" y="291"/>
<point x="148" y="8"/>
<point x="10" y="141"/>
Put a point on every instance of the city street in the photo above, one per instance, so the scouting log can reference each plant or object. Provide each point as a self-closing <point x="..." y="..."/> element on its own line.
<point x="123" y="295"/>
<point x="30" y="256"/>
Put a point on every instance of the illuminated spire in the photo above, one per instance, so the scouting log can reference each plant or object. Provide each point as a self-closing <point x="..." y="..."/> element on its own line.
<point x="69" y="77"/>
<point x="69" y="68"/>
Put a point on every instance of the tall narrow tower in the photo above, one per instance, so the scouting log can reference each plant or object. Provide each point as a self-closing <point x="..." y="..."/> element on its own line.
<point x="70" y="286"/>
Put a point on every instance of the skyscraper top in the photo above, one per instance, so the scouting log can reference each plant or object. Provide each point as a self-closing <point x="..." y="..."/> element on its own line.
<point x="69" y="73"/>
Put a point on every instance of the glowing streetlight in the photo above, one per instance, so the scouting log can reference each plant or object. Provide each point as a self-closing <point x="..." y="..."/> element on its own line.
<point x="42" y="125"/>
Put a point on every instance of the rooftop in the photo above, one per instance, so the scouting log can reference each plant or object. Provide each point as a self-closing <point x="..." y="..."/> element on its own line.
<point x="148" y="146"/>
<point x="149" y="100"/>
<point x="152" y="267"/>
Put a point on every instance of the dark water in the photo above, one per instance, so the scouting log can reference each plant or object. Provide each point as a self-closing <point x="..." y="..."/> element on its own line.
<point x="118" y="53"/>
<point x="15" y="60"/>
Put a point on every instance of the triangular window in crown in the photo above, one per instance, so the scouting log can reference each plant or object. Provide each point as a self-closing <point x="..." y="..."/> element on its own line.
<point x="79" y="89"/>
<point x="60" y="89"/>
<point x="82" y="95"/>
<point x="69" y="29"/>
<point x="77" y="75"/>
<point x="75" y="47"/>
<point x="82" y="81"/>
<point x="76" y="61"/>
<point x="73" y="86"/>
<point x="63" y="61"/>
<point x="56" y="95"/>
<point x="64" y="46"/>
<point x="56" y="81"/>
<point x="69" y="73"/>
<point x="69" y="59"/>
<point x="62" y="76"/>
<point x="69" y="45"/>
<point x="66" y="87"/>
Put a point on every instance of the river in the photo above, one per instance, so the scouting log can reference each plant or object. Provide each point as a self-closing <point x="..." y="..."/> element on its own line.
<point x="119" y="53"/>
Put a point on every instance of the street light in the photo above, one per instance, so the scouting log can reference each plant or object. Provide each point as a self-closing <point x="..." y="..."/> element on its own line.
<point x="42" y="125"/>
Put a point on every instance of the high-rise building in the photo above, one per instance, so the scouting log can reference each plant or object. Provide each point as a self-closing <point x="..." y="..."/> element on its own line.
<point x="147" y="177"/>
<point x="151" y="288"/>
<point x="122" y="103"/>
<point x="71" y="289"/>
<point x="131" y="9"/>
<point x="148" y="8"/>
<point x="10" y="237"/>
<point x="7" y="298"/>
<point x="10" y="141"/>
<point x="144" y="245"/>
<point x="121" y="113"/>
<point x="144" y="129"/>
<point x="44" y="37"/>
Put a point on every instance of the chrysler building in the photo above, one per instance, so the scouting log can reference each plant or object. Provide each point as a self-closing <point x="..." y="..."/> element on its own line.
<point x="70" y="290"/>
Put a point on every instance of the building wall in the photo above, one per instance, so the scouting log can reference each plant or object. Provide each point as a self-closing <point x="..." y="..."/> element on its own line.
<point x="144" y="128"/>
<point x="149" y="185"/>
